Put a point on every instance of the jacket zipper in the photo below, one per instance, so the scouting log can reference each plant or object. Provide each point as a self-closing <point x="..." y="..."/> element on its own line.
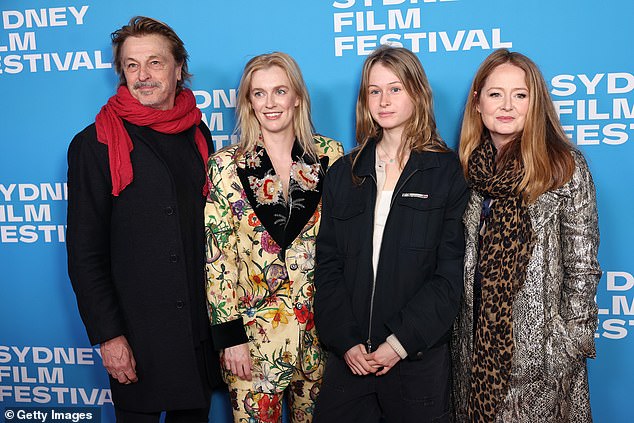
<point x="368" y="342"/>
<point x="400" y="188"/>
<point x="290" y="208"/>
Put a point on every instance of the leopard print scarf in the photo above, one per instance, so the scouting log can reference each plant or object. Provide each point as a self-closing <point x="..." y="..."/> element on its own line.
<point x="507" y="241"/>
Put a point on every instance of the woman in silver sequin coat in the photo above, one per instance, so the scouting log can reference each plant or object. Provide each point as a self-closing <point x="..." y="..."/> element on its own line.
<point x="528" y="315"/>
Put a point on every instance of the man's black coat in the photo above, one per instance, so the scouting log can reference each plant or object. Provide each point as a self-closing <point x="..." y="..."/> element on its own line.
<point x="128" y="268"/>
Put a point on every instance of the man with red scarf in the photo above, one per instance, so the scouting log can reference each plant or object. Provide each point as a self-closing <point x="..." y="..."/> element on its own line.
<point x="136" y="190"/>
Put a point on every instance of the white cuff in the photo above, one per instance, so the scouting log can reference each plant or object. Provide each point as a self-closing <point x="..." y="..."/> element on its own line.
<point x="393" y="342"/>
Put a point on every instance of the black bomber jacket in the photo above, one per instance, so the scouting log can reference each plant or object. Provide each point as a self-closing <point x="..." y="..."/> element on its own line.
<point x="419" y="279"/>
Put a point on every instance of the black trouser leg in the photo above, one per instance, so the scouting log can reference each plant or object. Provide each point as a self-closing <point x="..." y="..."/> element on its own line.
<point x="345" y="397"/>
<point x="198" y="415"/>
<point x="417" y="390"/>
<point x="125" y="416"/>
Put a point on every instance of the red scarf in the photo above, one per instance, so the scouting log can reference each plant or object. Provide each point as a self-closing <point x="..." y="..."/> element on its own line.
<point x="110" y="130"/>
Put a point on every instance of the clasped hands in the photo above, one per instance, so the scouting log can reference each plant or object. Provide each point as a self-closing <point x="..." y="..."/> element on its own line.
<point x="237" y="360"/>
<point x="378" y="362"/>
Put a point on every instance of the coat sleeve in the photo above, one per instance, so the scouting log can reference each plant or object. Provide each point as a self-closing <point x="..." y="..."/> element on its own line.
<point x="430" y="313"/>
<point x="88" y="238"/>
<point x="337" y="328"/>
<point x="580" y="245"/>
<point x="227" y="326"/>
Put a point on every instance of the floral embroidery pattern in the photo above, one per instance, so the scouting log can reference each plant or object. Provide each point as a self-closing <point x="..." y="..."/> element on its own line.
<point x="252" y="158"/>
<point x="305" y="257"/>
<point x="258" y="281"/>
<point x="275" y="275"/>
<point x="238" y="208"/>
<point x="277" y="315"/>
<point x="264" y="379"/>
<point x="270" y="408"/>
<point x="253" y="220"/>
<point x="306" y="176"/>
<point x="250" y="276"/>
<point x="268" y="190"/>
<point x="304" y="315"/>
<point x="268" y="244"/>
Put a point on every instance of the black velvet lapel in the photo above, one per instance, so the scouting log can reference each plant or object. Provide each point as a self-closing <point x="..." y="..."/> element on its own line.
<point x="283" y="221"/>
<point x="304" y="202"/>
<point x="268" y="214"/>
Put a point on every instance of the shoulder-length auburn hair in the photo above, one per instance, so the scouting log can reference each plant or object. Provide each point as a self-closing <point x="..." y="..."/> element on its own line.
<point x="247" y="125"/>
<point x="542" y="146"/>
<point x="420" y="132"/>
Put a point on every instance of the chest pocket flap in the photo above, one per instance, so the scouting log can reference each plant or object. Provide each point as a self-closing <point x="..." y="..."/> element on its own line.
<point x="348" y="211"/>
<point x="420" y="201"/>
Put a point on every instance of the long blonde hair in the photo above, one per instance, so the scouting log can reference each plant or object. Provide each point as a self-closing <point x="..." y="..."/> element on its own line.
<point x="247" y="125"/>
<point x="543" y="147"/>
<point x="420" y="132"/>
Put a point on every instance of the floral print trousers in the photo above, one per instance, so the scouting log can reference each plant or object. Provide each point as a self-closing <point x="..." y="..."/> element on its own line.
<point x="253" y="406"/>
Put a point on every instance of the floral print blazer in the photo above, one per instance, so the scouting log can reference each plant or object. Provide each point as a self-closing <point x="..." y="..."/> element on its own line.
<point x="260" y="261"/>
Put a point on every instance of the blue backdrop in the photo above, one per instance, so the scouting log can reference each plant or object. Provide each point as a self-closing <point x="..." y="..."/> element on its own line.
<point x="56" y="72"/>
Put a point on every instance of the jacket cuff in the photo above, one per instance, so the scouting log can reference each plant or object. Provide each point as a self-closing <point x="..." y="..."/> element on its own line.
<point x="229" y="334"/>
<point x="100" y="333"/>
<point x="393" y="342"/>
<point x="413" y="345"/>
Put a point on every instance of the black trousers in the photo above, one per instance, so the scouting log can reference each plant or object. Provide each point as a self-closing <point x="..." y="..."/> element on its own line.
<point x="196" y="415"/>
<point x="199" y="415"/>
<point x="412" y="391"/>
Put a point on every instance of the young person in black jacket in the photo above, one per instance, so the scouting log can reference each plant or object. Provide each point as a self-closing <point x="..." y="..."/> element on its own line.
<point x="388" y="276"/>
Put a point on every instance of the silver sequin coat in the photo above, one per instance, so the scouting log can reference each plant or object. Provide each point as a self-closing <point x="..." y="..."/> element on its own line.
<point x="554" y="313"/>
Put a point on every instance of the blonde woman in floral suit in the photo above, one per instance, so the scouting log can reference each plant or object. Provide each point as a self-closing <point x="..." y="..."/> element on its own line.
<point x="262" y="216"/>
